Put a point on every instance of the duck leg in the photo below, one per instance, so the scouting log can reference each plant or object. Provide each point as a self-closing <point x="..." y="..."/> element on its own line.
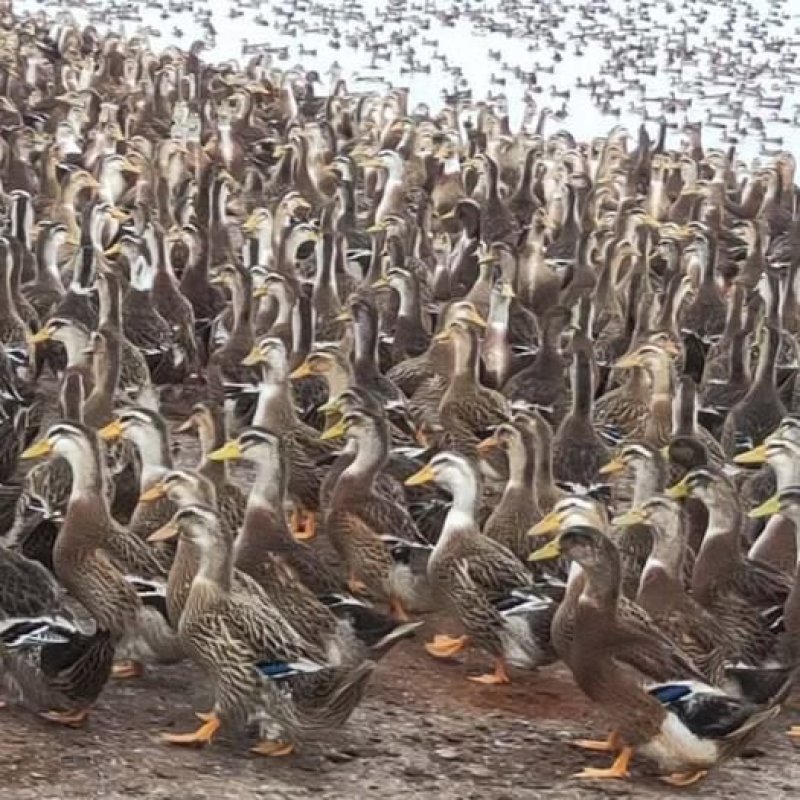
<point x="794" y="731"/>
<point x="356" y="585"/>
<point x="272" y="749"/>
<point x="398" y="610"/>
<point x="619" y="769"/>
<point x="124" y="670"/>
<point x="446" y="646"/>
<point x="308" y="526"/>
<point x="685" y="778"/>
<point x="71" y="719"/>
<point x="202" y="736"/>
<point x="495" y="678"/>
<point x="610" y="745"/>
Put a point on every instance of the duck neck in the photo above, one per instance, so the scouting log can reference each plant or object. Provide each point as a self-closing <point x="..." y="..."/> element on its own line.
<point x="154" y="451"/>
<point x="371" y="455"/>
<point x="719" y="552"/>
<point x="275" y="410"/>
<point x="87" y="473"/>
<point x="215" y="568"/>
<point x="461" y="517"/>
<point x="47" y="273"/>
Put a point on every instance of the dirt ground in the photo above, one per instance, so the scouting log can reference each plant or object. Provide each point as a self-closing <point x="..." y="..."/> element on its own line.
<point x="423" y="732"/>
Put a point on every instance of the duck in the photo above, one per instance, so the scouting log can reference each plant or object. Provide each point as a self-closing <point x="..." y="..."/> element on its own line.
<point x="54" y="658"/>
<point x="518" y="509"/>
<point x="686" y="725"/>
<point x="207" y="419"/>
<point x="374" y="537"/>
<point x="287" y="687"/>
<point x="661" y="592"/>
<point x="486" y="586"/>
<point x="276" y="412"/>
<point x="95" y="559"/>
<point x="578" y="450"/>
<point x="734" y="588"/>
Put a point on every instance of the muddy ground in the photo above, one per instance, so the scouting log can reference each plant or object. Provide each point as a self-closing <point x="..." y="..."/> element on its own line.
<point x="423" y="732"/>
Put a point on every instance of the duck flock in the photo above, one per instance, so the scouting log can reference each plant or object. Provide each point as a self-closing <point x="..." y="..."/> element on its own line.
<point x="545" y="384"/>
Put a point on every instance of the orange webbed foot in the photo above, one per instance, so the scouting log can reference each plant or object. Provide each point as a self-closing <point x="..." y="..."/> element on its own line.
<point x="446" y="646"/>
<point x="202" y="736"/>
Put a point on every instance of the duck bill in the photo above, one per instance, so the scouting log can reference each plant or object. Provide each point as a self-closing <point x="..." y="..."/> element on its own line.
<point x="425" y="475"/>
<point x="758" y="455"/>
<point x="331" y="406"/>
<point x="488" y="444"/>
<point x="766" y="509"/>
<point x="252" y="358"/>
<point x="336" y="431"/>
<point x="165" y="532"/>
<point x="112" y="251"/>
<point x="632" y="517"/>
<point x="303" y="371"/>
<point x="343" y="316"/>
<point x="40" y="337"/>
<point x="155" y="492"/>
<point x="629" y="361"/>
<point x="549" y="524"/>
<point x="613" y="467"/>
<point x="550" y="551"/>
<point x="185" y="427"/>
<point x="230" y="451"/>
<point x="475" y="318"/>
<point x="111" y="432"/>
<point x="680" y="491"/>
<point x="250" y="225"/>
<point x="451" y="214"/>
<point x="44" y="447"/>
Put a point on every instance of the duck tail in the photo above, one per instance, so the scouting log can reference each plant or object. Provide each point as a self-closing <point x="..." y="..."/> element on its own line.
<point x="375" y="630"/>
<point x="762" y="686"/>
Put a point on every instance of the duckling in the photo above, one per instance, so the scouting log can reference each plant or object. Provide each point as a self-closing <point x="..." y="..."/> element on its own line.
<point x="487" y="587"/>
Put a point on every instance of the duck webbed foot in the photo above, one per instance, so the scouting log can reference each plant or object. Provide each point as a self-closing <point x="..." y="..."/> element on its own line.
<point x="612" y="744"/>
<point x="619" y="769"/>
<point x="202" y="736"/>
<point x="70" y="719"/>
<point x="125" y="670"/>
<point x="272" y="749"/>
<point x="681" y="779"/>
<point x="496" y="678"/>
<point x="446" y="646"/>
